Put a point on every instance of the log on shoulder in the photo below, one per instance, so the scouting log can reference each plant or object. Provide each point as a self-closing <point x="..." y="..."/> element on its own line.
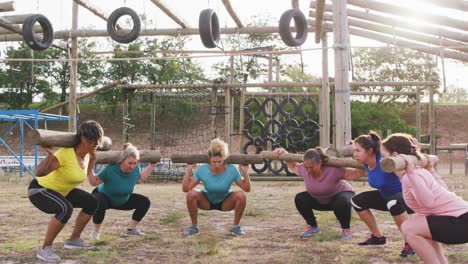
<point x="231" y="159"/>
<point x="334" y="162"/>
<point x="113" y="156"/>
<point x="53" y="138"/>
<point x="392" y="164"/>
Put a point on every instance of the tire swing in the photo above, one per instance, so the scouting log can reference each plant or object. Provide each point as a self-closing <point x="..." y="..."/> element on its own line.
<point x="285" y="29"/>
<point x="112" y="22"/>
<point x="29" y="35"/>
<point x="208" y="26"/>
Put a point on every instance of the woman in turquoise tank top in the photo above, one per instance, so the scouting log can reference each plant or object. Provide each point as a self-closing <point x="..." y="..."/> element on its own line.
<point x="217" y="178"/>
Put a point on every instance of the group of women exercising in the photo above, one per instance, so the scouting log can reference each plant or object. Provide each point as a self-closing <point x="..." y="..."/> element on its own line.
<point x="423" y="208"/>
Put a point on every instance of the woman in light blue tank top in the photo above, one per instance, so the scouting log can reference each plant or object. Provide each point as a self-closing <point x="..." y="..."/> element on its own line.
<point x="217" y="178"/>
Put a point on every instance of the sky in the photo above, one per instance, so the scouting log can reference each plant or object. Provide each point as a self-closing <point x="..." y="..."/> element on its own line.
<point x="59" y="12"/>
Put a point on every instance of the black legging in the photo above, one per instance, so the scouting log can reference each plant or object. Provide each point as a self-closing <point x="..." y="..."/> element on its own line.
<point x="340" y="205"/>
<point x="52" y="202"/>
<point x="138" y="202"/>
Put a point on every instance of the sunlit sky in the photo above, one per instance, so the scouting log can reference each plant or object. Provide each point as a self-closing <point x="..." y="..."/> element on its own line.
<point x="59" y="13"/>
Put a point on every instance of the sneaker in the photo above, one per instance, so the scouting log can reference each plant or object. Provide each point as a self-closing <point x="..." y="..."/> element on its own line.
<point x="133" y="232"/>
<point x="191" y="230"/>
<point x="346" y="234"/>
<point x="95" y="235"/>
<point x="407" y="251"/>
<point x="77" y="244"/>
<point x="374" y="241"/>
<point x="310" y="231"/>
<point x="237" y="231"/>
<point x="47" y="254"/>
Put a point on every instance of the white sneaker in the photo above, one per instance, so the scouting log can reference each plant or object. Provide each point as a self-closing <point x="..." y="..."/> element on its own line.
<point x="47" y="254"/>
<point x="95" y="235"/>
<point x="133" y="232"/>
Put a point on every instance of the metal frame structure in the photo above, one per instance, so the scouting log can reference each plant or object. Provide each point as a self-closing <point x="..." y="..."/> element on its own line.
<point x="22" y="118"/>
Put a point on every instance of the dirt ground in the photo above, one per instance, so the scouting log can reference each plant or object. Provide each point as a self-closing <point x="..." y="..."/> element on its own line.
<point x="271" y="222"/>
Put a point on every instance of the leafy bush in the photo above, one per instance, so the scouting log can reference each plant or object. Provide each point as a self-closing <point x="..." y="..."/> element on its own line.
<point x="367" y="116"/>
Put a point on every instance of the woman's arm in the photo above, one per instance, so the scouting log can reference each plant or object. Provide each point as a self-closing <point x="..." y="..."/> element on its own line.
<point x="47" y="165"/>
<point x="292" y="165"/>
<point x="244" y="183"/>
<point x="431" y="169"/>
<point x="93" y="179"/>
<point x="352" y="174"/>
<point x="189" y="182"/>
<point x="147" y="172"/>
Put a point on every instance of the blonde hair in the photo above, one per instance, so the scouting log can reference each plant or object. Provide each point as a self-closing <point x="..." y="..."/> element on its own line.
<point x="218" y="148"/>
<point x="129" y="150"/>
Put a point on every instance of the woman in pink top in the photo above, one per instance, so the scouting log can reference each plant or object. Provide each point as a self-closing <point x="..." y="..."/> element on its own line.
<point x="440" y="215"/>
<point x="326" y="190"/>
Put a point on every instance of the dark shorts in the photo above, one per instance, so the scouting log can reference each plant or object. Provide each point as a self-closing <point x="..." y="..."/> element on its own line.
<point x="217" y="206"/>
<point x="374" y="200"/>
<point x="449" y="229"/>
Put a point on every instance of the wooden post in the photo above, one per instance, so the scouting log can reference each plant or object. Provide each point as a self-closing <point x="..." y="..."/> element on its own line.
<point x="227" y="116"/>
<point x="418" y="114"/>
<point x="342" y="88"/>
<point x="241" y="119"/>
<point x="73" y="72"/>
<point x="213" y="113"/>
<point x="450" y="162"/>
<point x="324" y="100"/>
<point x="231" y="104"/>
<point x="153" y="121"/>
<point x="432" y="122"/>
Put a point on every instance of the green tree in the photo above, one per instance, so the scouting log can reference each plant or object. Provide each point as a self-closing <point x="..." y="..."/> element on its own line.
<point x="22" y="80"/>
<point x="366" y="116"/>
<point x="374" y="65"/>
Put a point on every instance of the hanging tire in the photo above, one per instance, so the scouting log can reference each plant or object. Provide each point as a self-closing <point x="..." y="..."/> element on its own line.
<point x="112" y="22"/>
<point x="257" y="109"/>
<point x="248" y="130"/>
<point x="283" y="104"/>
<point x="208" y="26"/>
<point x="258" y="150"/>
<point x="272" y="126"/>
<point x="265" y="105"/>
<point x="285" y="29"/>
<point x="28" y="32"/>
<point x="304" y="102"/>
<point x="311" y="128"/>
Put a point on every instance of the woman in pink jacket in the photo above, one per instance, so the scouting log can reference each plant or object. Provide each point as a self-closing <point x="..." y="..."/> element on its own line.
<point x="440" y="215"/>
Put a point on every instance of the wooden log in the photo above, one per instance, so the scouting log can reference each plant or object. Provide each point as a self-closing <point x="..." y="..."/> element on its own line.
<point x="7" y="6"/>
<point x="170" y="13"/>
<point x="62" y="139"/>
<point x="17" y="19"/>
<point x="232" y="13"/>
<point x="334" y="162"/>
<point x="231" y="159"/>
<point x="345" y="152"/>
<point x="461" y="146"/>
<point x="399" y="42"/>
<point x="113" y="156"/>
<point x="397" y="163"/>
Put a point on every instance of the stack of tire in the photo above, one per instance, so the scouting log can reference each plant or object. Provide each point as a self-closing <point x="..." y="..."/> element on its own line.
<point x="285" y="123"/>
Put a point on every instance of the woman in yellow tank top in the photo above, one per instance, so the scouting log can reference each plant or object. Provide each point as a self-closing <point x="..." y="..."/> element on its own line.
<point x="53" y="191"/>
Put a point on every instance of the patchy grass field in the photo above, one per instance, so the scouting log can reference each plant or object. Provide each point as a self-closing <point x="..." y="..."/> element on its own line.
<point x="271" y="222"/>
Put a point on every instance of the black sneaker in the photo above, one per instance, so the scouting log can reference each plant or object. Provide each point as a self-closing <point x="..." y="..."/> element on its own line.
<point x="374" y="241"/>
<point x="407" y="251"/>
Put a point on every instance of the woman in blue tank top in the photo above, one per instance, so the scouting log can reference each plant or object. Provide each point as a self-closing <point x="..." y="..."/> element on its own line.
<point x="387" y="197"/>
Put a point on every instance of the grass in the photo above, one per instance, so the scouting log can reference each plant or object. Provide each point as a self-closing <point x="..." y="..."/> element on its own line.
<point x="270" y="220"/>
